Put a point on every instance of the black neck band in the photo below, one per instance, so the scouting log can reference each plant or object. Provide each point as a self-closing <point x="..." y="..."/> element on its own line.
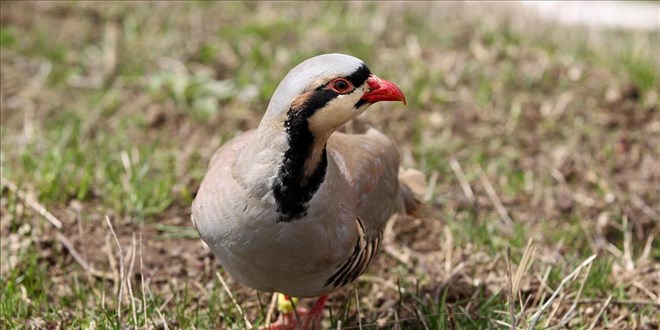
<point x="293" y="190"/>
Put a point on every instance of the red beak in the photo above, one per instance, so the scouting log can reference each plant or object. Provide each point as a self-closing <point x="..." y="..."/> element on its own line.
<point x="382" y="90"/>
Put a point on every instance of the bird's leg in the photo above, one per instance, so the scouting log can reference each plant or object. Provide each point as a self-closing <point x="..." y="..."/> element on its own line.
<point x="290" y="316"/>
<point x="290" y="312"/>
<point x="315" y="314"/>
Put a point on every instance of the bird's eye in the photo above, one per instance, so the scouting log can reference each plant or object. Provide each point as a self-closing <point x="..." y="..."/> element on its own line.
<point x="341" y="85"/>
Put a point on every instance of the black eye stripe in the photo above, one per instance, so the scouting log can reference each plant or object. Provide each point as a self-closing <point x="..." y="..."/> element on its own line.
<point x="360" y="103"/>
<point x="360" y="75"/>
<point x="316" y="100"/>
<point x="357" y="78"/>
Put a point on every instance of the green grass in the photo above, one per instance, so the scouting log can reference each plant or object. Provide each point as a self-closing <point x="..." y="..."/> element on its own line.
<point x="117" y="111"/>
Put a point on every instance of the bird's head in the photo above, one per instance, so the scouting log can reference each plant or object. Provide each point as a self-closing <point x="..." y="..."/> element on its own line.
<point x="327" y="91"/>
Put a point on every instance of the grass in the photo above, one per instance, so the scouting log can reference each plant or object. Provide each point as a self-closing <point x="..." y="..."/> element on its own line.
<point x="117" y="111"/>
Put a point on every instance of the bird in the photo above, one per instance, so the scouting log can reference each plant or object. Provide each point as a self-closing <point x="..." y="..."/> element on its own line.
<point x="295" y="206"/>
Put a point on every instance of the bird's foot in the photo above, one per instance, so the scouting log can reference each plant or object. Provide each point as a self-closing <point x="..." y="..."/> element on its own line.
<point x="298" y="318"/>
<point x="290" y="320"/>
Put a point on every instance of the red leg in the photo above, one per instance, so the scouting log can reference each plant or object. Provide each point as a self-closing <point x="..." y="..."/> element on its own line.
<point x="315" y="314"/>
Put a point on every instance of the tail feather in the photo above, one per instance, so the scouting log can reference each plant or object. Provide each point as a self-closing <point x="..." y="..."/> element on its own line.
<point x="413" y="186"/>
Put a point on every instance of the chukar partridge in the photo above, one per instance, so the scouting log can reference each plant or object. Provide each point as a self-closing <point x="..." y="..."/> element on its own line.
<point x="294" y="206"/>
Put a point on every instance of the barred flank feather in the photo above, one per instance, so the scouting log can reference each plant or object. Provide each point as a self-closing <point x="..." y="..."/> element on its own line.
<point x="365" y="250"/>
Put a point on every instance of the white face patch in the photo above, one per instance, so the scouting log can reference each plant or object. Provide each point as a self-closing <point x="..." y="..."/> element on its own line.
<point x="337" y="112"/>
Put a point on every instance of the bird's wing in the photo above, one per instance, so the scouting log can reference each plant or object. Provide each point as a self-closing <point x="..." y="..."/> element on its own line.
<point x="369" y="163"/>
